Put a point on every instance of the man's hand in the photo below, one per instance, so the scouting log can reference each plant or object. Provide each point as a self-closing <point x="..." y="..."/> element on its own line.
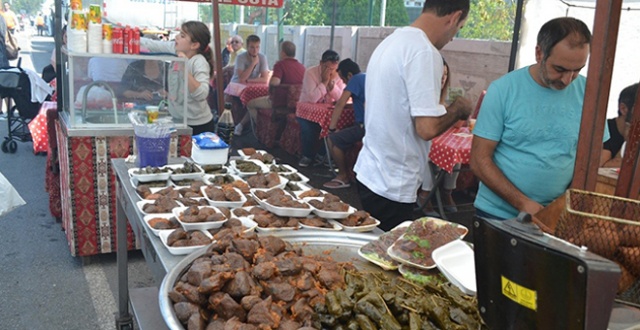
<point x="254" y="60"/>
<point x="531" y="207"/>
<point x="462" y="107"/>
<point x="325" y="74"/>
<point x="145" y="95"/>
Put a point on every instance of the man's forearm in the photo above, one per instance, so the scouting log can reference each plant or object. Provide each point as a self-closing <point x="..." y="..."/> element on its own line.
<point x="493" y="177"/>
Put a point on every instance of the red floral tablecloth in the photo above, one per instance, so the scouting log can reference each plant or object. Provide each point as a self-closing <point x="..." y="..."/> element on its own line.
<point x="38" y="128"/>
<point x="321" y="113"/>
<point x="451" y="148"/>
<point x="253" y="91"/>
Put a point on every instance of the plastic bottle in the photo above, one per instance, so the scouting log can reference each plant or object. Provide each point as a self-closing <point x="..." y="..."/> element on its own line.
<point x="225" y="126"/>
<point x="127" y="40"/>
<point x="117" y="40"/>
<point x="135" y="44"/>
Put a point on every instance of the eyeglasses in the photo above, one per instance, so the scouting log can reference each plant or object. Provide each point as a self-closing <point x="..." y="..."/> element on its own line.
<point x="236" y="42"/>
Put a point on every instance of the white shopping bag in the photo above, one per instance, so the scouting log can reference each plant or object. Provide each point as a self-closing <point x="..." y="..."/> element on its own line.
<point x="9" y="197"/>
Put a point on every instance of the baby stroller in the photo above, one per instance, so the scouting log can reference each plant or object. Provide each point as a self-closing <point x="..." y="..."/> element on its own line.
<point x="16" y="85"/>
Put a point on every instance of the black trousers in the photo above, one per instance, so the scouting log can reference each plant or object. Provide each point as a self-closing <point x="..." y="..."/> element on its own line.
<point x="390" y="213"/>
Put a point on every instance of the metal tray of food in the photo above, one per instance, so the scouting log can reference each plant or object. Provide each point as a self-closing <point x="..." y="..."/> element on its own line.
<point x="343" y="246"/>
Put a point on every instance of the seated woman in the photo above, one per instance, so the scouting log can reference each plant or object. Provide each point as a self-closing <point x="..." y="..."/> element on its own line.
<point x="144" y="80"/>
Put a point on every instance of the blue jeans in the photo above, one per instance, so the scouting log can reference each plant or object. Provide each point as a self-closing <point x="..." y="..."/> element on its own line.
<point x="309" y="138"/>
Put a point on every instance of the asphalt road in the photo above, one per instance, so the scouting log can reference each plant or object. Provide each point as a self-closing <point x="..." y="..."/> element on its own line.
<point x="42" y="285"/>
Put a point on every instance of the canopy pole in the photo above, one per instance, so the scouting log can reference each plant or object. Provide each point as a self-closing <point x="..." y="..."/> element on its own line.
<point x="515" y="40"/>
<point x="594" y="108"/>
<point x="217" y="54"/>
<point x="383" y="12"/>
<point x="333" y="23"/>
<point x="280" y="26"/>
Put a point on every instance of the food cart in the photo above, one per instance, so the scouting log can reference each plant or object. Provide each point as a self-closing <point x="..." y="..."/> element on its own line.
<point x="93" y="127"/>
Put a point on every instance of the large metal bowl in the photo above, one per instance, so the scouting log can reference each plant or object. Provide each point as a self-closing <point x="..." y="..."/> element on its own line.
<point x="343" y="246"/>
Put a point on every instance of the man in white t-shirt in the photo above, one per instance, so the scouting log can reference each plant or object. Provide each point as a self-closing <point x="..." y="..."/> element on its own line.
<point x="403" y="112"/>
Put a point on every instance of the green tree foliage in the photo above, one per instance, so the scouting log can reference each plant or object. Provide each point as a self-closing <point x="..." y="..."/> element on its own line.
<point x="490" y="19"/>
<point x="228" y="13"/>
<point x="30" y="7"/>
<point x="305" y="12"/>
<point x="356" y="12"/>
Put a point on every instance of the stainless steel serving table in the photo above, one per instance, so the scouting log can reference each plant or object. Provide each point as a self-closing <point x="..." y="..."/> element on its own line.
<point x="145" y="301"/>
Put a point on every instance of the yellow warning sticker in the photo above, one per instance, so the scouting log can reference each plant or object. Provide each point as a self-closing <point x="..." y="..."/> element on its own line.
<point x="519" y="294"/>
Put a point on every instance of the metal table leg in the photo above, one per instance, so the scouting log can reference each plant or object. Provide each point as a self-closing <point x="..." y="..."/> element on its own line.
<point x="437" y="177"/>
<point x="329" y="159"/>
<point x="124" y="321"/>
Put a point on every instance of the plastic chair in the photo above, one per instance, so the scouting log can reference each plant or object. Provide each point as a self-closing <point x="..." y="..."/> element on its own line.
<point x="271" y="122"/>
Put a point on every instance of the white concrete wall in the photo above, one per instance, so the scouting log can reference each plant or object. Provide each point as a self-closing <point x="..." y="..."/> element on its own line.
<point x="367" y="39"/>
<point x="269" y="46"/>
<point x="475" y="64"/>
<point x="317" y="41"/>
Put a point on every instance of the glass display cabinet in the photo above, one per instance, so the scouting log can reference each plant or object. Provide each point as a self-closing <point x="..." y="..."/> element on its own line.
<point x="99" y="90"/>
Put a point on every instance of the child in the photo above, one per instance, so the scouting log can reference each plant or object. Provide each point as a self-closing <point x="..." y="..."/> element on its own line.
<point x="192" y="43"/>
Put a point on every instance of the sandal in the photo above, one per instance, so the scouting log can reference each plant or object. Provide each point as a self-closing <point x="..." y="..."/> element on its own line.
<point x="336" y="183"/>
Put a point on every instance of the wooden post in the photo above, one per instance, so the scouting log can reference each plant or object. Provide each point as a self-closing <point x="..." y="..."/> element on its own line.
<point x="217" y="54"/>
<point x="594" y="109"/>
<point x="629" y="180"/>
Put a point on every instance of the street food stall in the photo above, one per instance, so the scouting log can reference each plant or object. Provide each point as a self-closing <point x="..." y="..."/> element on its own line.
<point x="92" y="128"/>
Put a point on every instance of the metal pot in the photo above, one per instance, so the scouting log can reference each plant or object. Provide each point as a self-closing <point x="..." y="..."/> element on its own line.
<point x="344" y="247"/>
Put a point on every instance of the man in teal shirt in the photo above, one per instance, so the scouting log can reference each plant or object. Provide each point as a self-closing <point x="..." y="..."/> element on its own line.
<point x="526" y="135"/>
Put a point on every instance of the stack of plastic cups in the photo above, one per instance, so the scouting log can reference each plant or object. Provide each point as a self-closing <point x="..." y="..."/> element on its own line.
<point x="107" y="44"/>
<point x="94" y="30"/>
<point x="77" y="32"/>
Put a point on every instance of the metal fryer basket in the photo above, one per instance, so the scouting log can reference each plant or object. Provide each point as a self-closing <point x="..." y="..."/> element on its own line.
<point x="608" y="226"/>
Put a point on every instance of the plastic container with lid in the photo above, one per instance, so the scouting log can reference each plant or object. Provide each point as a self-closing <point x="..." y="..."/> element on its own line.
<point x="208" y="149"/>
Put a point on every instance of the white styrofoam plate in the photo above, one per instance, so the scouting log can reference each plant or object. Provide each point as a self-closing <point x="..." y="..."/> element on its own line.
<point x="149" y="217"/>
<point x="271" y="230"/>
<point x="281" y="211"/>
<point x="288" y="169"/>
<point x="263" y="168"/>
<point x="208" y="178"/>
<point x="197" y="225"/>
<point x="359" y="229"/>
<point x="329" y="214"/>
<point x="249" y="224"/>
<point x="245" y="156"/>
<point x="185" y="176"/>
<point x="335" y="227"/>
<point x="374" y="258"/>
<point x="394" y="253"/>
<point x="134" y="182"/>
<point x="298" y="193"/>
<point x="227" y="204"/>
<point x="228" y="170"/>
<point x="303" y="178"/>
<point x="149" y="177"/>
<point x="182" y="250"/>
<point x="143" y="202"/>
<point x="456" y="261"/>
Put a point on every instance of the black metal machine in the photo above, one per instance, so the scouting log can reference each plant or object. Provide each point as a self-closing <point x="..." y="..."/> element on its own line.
<point x="530" y="280"/>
